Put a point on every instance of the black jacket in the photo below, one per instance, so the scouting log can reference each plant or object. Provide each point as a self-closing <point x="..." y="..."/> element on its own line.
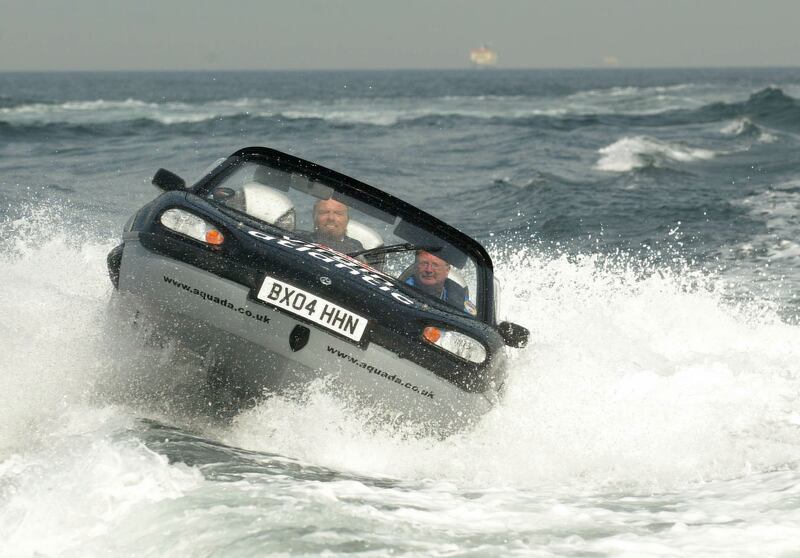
<point x="345" y="245"/>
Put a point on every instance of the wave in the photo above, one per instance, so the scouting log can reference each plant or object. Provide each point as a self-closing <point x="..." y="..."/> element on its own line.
<point x="771" y="104"/>
<point x="767" y="107"/>
<point x="378" y="112"/>
<point x="642" y="101"/>
<point x="744" y="127"/>
<point x="627" y="91"/>
<point x="105" y="111"/>
<point x="740" y="127"/>
<point x="636" y="152"/>
<point x="770" y="107"/>
<point x="629" y="106"/>
<point x="777" y="210"/>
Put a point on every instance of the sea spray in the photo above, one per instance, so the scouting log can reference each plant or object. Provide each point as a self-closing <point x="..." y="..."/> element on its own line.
<point x="54" y="297"/>
<point x="634" y="377"/>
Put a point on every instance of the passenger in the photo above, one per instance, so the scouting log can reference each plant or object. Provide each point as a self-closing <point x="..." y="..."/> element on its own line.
<point x="330" y="227"/>
<point x="430" y="276"/>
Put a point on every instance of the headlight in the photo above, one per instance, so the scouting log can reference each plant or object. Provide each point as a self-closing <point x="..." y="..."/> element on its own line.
<point x="457" y="343"/>
<point x="192" y="226"/>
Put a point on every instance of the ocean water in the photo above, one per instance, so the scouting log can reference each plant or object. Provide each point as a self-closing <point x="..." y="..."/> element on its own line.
<point x="644" y="224"/>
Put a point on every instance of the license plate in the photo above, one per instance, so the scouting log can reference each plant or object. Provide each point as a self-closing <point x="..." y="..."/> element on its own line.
<point x="311" y="307"/>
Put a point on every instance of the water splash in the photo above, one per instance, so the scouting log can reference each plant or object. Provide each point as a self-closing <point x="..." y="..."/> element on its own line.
<point x="637" y="374"/>
<point x="635" y="377"/>
<point x="55" y="291"/>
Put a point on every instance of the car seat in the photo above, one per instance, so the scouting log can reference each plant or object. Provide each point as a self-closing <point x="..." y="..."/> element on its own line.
<point x="269" y="205"/>
<point x="368" y="238"/>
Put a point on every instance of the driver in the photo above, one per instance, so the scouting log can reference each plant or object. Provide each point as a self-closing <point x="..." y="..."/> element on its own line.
<point x="430" y="276"/>
<point x="330" y="227"/>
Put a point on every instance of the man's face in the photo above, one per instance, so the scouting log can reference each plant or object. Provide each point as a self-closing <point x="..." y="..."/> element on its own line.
<point x="330" y="219"/>
<point x="431" y="271"/>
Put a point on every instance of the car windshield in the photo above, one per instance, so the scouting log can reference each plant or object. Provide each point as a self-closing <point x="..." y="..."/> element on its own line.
<point x="393" y="241"/>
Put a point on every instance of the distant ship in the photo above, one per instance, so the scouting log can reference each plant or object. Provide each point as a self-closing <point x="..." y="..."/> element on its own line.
<point x="483" y="57"/>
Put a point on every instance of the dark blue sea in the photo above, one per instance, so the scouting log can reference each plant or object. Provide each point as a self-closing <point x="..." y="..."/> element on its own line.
<point x="645" y="226"/>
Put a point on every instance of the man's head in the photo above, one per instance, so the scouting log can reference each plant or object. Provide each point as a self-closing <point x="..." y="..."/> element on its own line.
<point x="430" y="272"/>
<point x="330" y="219"/>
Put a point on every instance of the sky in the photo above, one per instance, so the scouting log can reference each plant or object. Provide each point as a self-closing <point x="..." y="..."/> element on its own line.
<point x="45" y="35"/>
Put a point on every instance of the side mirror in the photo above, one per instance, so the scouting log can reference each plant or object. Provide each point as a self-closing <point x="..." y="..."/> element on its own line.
<point x="167" y="180"/>
<point x="513" y="334"/>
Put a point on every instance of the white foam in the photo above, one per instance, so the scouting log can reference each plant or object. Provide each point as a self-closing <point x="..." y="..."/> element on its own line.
<point x="104" y="111"/>
<point x="388" y="112"/>
<point x="629" y="379"/>
<point x="373" y="117"/>
<point x="767" y="137"/>
<point x="83" y="491"/>
<point x="779" y="210"/>
<point x="634" y="375"/>
<point x="644" y="399"/>
<point x="736" y="127"/>
<point x="69" y="485"/>
<point x="635" y="152"/>
<point x="54" y="300"/>
<point x="634" y="91"/>
<point x="743" y="125"/>
<point x="648" y="100"/>
<point x="377" y="111"/>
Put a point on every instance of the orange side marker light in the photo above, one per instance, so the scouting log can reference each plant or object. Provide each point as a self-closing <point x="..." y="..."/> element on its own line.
<point x="214" y="237"/>
<point x="431" y="334"/>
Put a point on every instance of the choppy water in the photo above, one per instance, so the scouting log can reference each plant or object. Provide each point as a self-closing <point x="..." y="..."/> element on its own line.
<point x="645" y="226"/>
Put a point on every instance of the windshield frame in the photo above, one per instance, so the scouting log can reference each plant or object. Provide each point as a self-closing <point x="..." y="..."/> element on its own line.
<point x="370" y="197"/>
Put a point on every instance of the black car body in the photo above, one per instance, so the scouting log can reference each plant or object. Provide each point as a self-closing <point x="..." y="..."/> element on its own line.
<point x="235" y="268"/>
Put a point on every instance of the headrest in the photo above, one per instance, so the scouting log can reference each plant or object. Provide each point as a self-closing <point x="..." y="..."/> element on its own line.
<point x="365" y="235"/>
<point x="268" y="204"/>
<point x="456" y="276"/>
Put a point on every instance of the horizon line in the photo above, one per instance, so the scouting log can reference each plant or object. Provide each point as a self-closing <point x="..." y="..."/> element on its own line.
<point x="399" y="69"/>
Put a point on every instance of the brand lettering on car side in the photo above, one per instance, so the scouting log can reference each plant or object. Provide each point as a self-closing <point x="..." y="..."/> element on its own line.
<point x="370" y="276"/>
